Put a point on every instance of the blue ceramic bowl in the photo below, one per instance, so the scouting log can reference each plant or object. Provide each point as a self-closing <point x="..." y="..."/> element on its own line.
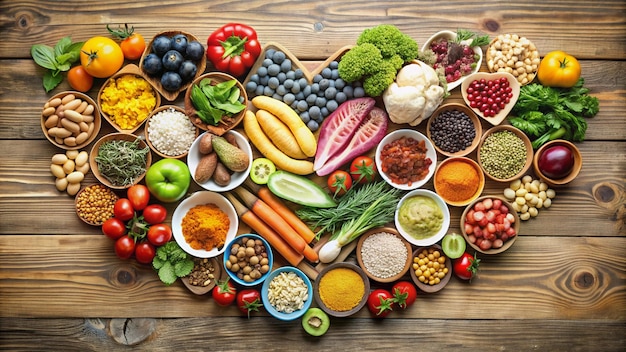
<point x="233" y="275"/>
<point x="283" y="315"/>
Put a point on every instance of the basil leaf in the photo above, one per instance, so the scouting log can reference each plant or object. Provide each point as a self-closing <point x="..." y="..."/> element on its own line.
<point x="51" y="80"/>
<point x="62" y="45"/>
<point x="43" y="56"/>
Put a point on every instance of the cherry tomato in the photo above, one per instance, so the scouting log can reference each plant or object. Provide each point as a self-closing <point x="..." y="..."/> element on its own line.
<point x="159" y="234"/>
<point x="133" y="46"/>
<point x="380" y="302"/>
<point x="101" y="57"/>
<point x="363" y="169"/>
<point x="79" y="79"/>
<point x="144" y="252"/>
<point x="404" y="294"/>
<point x="224" y="293"/>
<point x="125" y="247"/>
<point x="466" y="266"/>
<point x="123" y="209"/>
<point x="114" y="228"/>
<point x="339" y="182"/>
<point x="248" y="301"/>
<point x="154" y="214"/>
<point x="139" y="196"/>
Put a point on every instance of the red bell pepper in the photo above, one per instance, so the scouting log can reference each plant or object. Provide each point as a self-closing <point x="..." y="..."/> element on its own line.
<point x="233" y="48"/>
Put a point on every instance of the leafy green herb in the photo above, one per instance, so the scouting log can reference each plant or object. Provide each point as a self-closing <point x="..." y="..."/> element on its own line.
<point x="121" y="161"/>
<point x="55" y="60"/>
<point x="546" y="113"/>
<point x="463" y="34"/>
<point x="371" y="204"/>
<point x="212" y="102"/>
<point x="171" y="262"/>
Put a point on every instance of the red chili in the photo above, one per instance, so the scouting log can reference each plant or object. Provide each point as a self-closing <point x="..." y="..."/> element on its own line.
<point x="233" y="48"/>
<point x="404" y="160"/>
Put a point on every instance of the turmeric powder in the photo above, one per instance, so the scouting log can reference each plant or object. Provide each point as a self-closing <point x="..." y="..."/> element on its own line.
<point x="457" y="181"/>
<point x="205" y="227"/>
<point x="341" y="289"/>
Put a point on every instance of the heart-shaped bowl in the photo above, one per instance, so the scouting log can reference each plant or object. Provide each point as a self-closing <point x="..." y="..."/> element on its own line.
<point x="478" y="77"/>
<point x="156" y="79"/>
<point x="449" y="36"/>
<point x="121" y="98"/>
<point x="446" y="124"/>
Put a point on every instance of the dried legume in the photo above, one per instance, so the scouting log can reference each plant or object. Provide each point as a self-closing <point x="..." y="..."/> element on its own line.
<point x="430" y="266"/>
<point x="452" y="131"/>
<point x="528" y="195"/>
<point x="248" y="259"/>
<point x="95" y="204"/>
<point x="503" y="154"/>
<point x="513" y="54"/>
<point x="384" y="255"/>
<point x="69" y="169"/>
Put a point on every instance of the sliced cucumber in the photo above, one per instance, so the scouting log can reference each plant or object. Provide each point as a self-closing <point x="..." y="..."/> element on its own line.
<point x="299" y="189"/>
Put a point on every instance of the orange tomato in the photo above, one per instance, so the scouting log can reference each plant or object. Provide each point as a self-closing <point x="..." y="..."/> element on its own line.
<point x="558" y="69"/>
<point x="133" y="46"/>
<point x="101" y="57"/>
<point x="79" y="79"/>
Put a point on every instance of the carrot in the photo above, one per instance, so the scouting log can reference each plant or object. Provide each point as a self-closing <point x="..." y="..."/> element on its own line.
<point x="280" y="134"/>
<point x="292" y="219"/>
<point x="276" y="222"/>
<point x="278" y="243"/>
<point x="268" y="149"/>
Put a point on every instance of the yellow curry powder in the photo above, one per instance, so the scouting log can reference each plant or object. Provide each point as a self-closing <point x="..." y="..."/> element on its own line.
<point x="341" y="289"/>
<point x="128" y="100"/>
<point x="457" y="181"/>
<point x="205" y="227"/>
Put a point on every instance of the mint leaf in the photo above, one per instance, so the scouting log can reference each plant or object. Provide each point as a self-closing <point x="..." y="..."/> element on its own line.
<point x="167" y="274"/>
<point x="183" y="268"/>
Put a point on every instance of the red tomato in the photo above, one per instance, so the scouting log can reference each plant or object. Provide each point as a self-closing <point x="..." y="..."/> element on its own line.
<point x="145" y="252"/>
<point x="363" y="169"/>
<point x="139" y="196"/>
<point x="224" y="293"/>
<point x="154" y="214"/>
<point x="339" y="182"/>
<point x="123" y="209"/>
<point x="380" y="302"/>
<point x="249" y="300"/>
<point x="133" y="46"/>
<point x="79" y="79"/>
<point x="114" y="228"/>
<point x="404" y="294"/>
<point x="125" y="247"/>
<point x="159" y="234"/>
<point x="466" y="266"/>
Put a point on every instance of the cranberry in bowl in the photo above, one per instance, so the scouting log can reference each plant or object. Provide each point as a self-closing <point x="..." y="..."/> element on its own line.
<point x="491" y="95"/>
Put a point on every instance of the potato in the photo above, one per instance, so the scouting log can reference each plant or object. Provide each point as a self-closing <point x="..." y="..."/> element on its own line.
<point x="206" y="168"/>
<point x="206" y="146"/>
<point x="221" y="176"/>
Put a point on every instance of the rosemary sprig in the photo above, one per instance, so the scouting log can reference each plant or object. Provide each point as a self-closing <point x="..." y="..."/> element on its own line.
<point x="121" y="161"/>
<point x="464" y="34"/>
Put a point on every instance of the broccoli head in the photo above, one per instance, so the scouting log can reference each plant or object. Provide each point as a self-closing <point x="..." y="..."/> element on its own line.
<point x="359" y="61"/>
<point x="375" y="84"/>
<point x="390" y="41"/>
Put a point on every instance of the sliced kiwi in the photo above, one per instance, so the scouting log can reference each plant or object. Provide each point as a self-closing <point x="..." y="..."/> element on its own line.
<point x="453" y="245"/>
<point x="261" y="170"/>
<point x="315" y="321"/>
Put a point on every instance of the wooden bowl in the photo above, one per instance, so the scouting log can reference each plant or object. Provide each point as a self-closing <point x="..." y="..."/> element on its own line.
<point x="228" y="122"/>
<point x="463" y="109"/>
<point x="156" y="80"/>
<point x="201" y="290"/>
<point x="508" y="243"/>
<point x="503" y="113"/>
<point x="425" y="287"/>
<point x="170" y="137"/>
<point x="134" y="70"/>
<point x="99" y="205"/>
<point x="578" y="162"/>
<point x="521" y="135"/>
<point x="50" y="119"/>
<point x="479" y="187"/>
<point x="117" y="137"/>
<point x="529" y="52"/>
<point x="347" y="288"/>
<point x="381" y="255"/>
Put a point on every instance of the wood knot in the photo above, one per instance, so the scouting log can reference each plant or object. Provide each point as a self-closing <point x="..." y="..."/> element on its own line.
<point x="318" y="27"/>
<point x="23" y="20"/>
<point x="123" y="276"/>
<point x="491" y="25"/>
<point x="604" y="193"/>
<point x="131" y="332"/>
<point x="584" y="280"/>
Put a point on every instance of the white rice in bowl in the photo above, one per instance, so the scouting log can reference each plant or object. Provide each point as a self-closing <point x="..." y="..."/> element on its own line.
<point x="171" y="132"/>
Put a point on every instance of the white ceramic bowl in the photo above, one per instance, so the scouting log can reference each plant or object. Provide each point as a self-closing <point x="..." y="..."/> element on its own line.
<point x="430" y="153"/>
<point x="450" y="36"/>
<point x="199" y="198"/>
<point x="436" y="237"/>
<point x="236" y="179"/>
<point x="283" y="315"/>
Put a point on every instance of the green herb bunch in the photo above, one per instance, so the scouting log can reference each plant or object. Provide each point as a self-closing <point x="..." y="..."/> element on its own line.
<point x="56" y="60"/>
<point x="171" y="262"/>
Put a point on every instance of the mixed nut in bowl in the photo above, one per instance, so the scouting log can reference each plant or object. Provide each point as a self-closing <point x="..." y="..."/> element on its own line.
<point x="491" y="95"/>
<point x="557" y="162"/>
<point x="504" y="153"/>
<point x="127" y="98"/>
<point x="204" y="275"/>
<point x="248" y="259"/>
<point x="341" y="289"/>
<point x="287" y="293"/>
<point x="204" y="223"/>
<point x="120" y="160"/>
<point x="383" y="254"/>
<point x="169" y="132"/>
<point x="454" y="129"/>
<point x="70" y="120"/>
<point x="431" y="269"/>
<point x="422" y="217"/>
<point x="490" y="224"/>
<point x="459" y="180"/>
<point x="411" y="171"/>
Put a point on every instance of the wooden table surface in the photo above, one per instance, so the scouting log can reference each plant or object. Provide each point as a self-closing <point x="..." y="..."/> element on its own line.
<point x="561" y="287"/>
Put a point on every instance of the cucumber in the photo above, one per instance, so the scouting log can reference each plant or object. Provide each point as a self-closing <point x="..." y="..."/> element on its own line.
<point x="299" y="189"/>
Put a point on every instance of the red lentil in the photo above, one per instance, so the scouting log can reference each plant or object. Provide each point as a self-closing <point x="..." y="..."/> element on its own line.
<point x="404" y="160"/>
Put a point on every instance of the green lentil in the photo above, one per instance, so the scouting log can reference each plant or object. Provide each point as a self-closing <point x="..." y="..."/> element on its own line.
<point x="503" y="154"/>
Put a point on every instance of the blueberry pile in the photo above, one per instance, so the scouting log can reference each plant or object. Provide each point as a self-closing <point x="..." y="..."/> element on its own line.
<point x="175" y="59"/>
<point x="313" y="102"/>
<point x="452" y="131"/>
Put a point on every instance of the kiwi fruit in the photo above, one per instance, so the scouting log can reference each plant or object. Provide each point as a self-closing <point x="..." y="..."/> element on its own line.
<point x="315" y="322"/>
<point x="261" y="170"/>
